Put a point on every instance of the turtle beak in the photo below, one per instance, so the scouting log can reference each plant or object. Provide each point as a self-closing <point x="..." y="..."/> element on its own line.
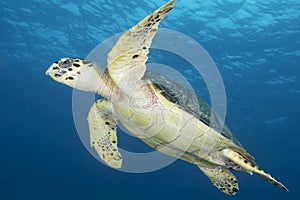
<point x="47" y="72"/>
<point x="51" y="70"/>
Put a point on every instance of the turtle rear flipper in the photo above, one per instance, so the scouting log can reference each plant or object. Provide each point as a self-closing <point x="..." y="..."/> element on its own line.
<point x="250" y="166"/>
<point x="103" y="133"/>
<point x="221" y="178"/>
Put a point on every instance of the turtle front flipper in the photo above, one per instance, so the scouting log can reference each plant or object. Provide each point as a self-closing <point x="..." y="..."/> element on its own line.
<point x="103" y="133"/>
<point x="126" y="61"/>
<point x="221" y="178"/>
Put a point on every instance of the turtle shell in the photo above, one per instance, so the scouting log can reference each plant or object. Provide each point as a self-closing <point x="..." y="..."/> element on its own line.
<point x="189" y="102"/>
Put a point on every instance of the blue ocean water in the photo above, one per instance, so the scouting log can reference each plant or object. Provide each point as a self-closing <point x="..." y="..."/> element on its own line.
<point x="255" y="44"/>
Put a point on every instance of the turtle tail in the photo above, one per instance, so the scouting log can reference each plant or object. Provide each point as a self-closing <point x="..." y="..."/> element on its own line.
<point x="250" y="166"/>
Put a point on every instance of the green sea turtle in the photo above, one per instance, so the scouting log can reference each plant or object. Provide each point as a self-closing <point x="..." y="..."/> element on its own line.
<point x="159" y="111"/>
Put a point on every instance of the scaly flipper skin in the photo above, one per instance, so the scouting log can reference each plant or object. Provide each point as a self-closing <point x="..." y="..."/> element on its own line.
<point x="103" y="133"/>
<point x="250" y="167"/>
<point x="221" y="178"/>
<point x="126" y="61"/>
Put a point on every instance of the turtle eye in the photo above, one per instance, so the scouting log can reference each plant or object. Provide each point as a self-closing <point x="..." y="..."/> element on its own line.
<point x="67" y="63"/>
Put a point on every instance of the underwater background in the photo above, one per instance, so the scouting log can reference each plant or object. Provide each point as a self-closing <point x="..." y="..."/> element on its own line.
<point x="255" y="44"/>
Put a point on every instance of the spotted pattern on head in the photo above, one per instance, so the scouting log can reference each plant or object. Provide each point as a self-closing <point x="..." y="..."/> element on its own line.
<point x="67" y="69"/>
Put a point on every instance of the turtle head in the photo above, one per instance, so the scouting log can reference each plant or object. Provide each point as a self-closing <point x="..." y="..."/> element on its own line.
<point x="76" y="73"/>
